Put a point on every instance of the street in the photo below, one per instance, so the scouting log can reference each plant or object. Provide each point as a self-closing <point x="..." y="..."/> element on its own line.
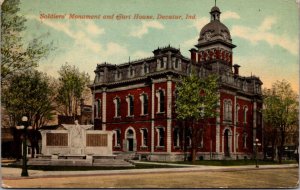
<point x="231" y="178"/>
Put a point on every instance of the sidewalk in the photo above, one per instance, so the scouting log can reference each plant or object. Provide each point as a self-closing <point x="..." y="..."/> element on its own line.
<point x="14" y="173"/>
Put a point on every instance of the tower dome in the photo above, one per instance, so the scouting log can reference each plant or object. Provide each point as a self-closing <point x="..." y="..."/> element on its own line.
<point x="215" y="29"/>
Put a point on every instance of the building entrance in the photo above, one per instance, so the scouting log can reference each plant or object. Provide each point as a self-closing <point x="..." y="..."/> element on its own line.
<point x="226" y="142"/>
<point x="130" y="140"/>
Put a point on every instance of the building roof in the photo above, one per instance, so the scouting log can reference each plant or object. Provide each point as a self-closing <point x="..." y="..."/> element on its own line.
<point x="215" y="29"/>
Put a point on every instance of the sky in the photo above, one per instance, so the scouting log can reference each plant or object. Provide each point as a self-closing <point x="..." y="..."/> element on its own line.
<point x="265" y="32"/>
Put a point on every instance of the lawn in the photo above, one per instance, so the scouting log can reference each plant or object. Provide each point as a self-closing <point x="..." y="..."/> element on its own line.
<point x="232" y="162"/>
<point x="86" y="168"/>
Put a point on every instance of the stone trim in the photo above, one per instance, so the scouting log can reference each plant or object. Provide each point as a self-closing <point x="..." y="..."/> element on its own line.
<point x="104" y="110"/>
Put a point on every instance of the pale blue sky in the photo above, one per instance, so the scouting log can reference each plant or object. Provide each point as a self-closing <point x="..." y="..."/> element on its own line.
<point x="265" y="32"/>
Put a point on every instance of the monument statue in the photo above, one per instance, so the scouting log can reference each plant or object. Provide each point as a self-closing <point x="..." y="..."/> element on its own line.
<point x="76" y="140"/>
<point x="77" y="136"/>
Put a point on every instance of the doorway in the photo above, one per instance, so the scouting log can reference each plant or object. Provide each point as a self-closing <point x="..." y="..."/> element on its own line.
<point x="130" y="140"/>
<point x="226" y="142"/>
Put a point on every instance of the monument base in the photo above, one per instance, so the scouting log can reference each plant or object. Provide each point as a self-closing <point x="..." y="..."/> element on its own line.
<point x="75" y="160"/>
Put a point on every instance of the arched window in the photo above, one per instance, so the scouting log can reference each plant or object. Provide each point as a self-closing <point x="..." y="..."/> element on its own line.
<point x="161" y="101"/>
<point x="227" y="110"/>
<point x="117" y="103"/>
<point x="160" y="95"/>
<point x="99" y="108"/>
<point x="144" y="137"/>
<point x="144" y="104"/>
<point x="237" y="113"/>
<point x="245" y="140"/>
<point x="245" y="114"/>
<point x="118" y="137"/>
<point x="130" y="103"/>
<point x="176" y="137"/>
<point x="189" y="137"/>
<point x="161" y="137"/>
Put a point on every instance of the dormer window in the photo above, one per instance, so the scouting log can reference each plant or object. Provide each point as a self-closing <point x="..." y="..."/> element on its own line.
<point x="146" y="68"/>
<point x="176" y="63"/>
<point x="162" y="64"/>
<point x="131" y="72"/>
<point x="118" y="74"/>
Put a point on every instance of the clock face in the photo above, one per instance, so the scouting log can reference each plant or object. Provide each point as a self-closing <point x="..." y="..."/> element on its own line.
<point x="207" y="35"/>
<point x="225" y="35"/>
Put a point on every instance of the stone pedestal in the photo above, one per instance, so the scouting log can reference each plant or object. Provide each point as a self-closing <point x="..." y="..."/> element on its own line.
<point x="76" y="140"/>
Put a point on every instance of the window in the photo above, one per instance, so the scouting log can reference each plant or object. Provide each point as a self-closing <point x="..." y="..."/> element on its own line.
<point x="130" y="103"/>
<point x="117" y="103"/>
<point x="189" y="137"/>
<point x="161" y="101"/>
<point x="227" y="110"/>
<point x="237" y="141"/>
<point x="160" y="136"/>
<point x="99" y="108"/>
<point x="245" y="140"/>
<point x="144" y="104"/>
<point x="176" y="137"/>
<point x="237" y="113"/>
<point x="162" y="63"/>
<point x="118" y="137"/>
<point x="131" y="71"/>
<point x="144" y="137"/>
<point x="146" y="68"/>
<point x="245" y="114"/>
<point x="117" y="74"/>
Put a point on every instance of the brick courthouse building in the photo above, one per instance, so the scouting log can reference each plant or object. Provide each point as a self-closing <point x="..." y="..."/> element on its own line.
<point x="136" y="100"/>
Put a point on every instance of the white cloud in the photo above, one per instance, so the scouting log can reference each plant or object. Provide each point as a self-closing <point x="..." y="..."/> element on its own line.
<point x="199" y="23"/>
<point x="85" y="52"/>
<point x="141" y="54"/>
<point x="139" y="31"/>
<point x="263" y="33"/>
<point x="81" y="36"/>
<point x="93" y="29"/>
<point x="230" y="15"/>
<point x="267" y="24"/>
<point x="114" y="50"/>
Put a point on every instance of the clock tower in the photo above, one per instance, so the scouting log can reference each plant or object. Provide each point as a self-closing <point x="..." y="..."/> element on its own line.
<point x="214" y="48"/>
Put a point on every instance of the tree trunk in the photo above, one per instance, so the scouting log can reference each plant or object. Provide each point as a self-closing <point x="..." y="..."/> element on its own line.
<point x="281" y="148"/>
<point x="274" y="144"/>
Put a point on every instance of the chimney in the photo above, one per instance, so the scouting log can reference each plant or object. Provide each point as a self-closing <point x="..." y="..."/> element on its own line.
<point x="193" y="55"/>
<point x="236" y="69"/>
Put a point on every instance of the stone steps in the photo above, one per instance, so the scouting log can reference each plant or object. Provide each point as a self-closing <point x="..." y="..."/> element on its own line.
<point x="111" y="162"/>
<point x="107" y="162"/>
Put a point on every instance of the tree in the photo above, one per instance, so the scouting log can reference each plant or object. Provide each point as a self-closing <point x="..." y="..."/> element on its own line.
<point x="29" y="94"/>
<point x="196" y="101"/>
<point x="280" y="110"/>
<point x="72" y="84"/>
<point x="17" y="56"/>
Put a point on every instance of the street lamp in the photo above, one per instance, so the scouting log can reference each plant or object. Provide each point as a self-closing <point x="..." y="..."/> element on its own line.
<point x="256" y="145"/>
<point x="24" y="127"/>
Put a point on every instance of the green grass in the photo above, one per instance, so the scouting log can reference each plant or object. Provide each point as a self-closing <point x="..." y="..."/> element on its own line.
<point x="232" y="162"/>
<point x="86" y="168"/>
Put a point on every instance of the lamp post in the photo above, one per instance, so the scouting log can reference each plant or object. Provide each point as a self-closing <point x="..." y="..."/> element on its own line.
<point x="256" y="144"/>
<point x="25" y="126"/>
